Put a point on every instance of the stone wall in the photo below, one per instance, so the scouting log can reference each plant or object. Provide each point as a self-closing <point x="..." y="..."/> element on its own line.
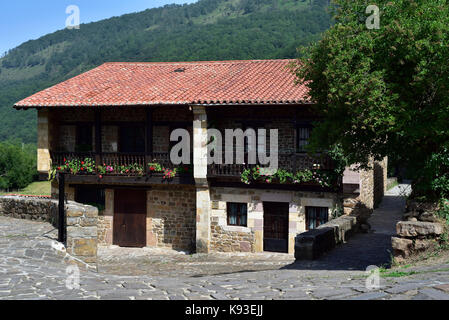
<point x="418" y="231"/>
<point x="82" y="232"/>
<point x="36" y="209"/>
<point x="372" y="187"/>
<point x="226" y="238"/>
<point x="171" y="217"/>
<point x="81" y="222"/>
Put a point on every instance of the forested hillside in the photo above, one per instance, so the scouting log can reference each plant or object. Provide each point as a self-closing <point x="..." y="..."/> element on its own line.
<point x="206" y="30"/>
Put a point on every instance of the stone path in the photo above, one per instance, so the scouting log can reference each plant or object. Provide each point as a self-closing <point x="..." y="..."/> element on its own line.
<point x="30" y="268"/>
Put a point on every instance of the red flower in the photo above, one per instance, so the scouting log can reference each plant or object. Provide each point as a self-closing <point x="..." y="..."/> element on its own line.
<point x="82" y="162"/>
<point x="59" y="168"/>
<point x="101" y="177"/>
<point x="65" y="160"/>
<point x="82" y="169"/>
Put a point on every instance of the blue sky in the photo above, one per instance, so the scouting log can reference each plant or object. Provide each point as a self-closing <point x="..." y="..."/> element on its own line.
<point x="23" y="20"/>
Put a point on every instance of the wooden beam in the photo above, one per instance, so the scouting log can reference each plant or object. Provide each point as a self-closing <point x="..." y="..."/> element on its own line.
<point x="98" y="137"/>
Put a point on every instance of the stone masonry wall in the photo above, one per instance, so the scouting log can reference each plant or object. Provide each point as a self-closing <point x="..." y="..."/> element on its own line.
<point x="171" y="217"/>
<point x="373" y="184"/>
<point x="36" y="209"/>
<point x="81" y="222"/>
<point x="82" y="232"/>
<point x="226" y="238"/>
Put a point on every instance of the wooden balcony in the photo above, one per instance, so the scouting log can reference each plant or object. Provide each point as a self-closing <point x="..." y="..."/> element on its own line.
<point x="230" y="174"/>
<point x="119" y="168"/>
<point x="136" y="168"/>
<point x="289" y="161"/>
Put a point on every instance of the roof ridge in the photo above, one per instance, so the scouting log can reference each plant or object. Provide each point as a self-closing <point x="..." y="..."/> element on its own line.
<point x="196" y="62"/>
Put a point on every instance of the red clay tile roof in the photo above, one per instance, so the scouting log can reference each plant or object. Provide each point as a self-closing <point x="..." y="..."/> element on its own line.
<point x="216" y="82"/>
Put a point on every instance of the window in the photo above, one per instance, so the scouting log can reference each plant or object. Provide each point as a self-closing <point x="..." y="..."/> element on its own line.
<point x="132" y="138"/>
<point x="84" y="138"/>
<point x="91" y="195"/>
<point x="316" y="216"/>
<point x="254" y="147"/>
<point x="302" y="136"/>
<point x="237" y="214"/>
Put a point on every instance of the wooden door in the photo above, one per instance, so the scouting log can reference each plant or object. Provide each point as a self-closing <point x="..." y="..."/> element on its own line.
<point x="275" y="229"/>
<point x="130" y="216"/>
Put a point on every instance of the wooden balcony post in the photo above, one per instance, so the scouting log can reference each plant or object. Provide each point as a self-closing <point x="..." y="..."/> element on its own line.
<point x="98" y="138"/>
<point x="148" y="138"/>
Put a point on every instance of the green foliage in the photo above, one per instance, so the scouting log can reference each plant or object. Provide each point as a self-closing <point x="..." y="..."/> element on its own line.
<point x="17" y="165"/>
<point x="324" y="178"/>
<point x="384" y="92"/>
<point x="205" y="30"/>
<point x="443" y="211"/>
<point x="88" y="166"/>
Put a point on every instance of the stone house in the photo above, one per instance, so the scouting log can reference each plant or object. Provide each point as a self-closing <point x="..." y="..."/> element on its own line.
<point x="108" y="131"/>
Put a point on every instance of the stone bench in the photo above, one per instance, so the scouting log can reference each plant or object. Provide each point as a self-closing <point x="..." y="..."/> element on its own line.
<point x="312" y="244"/>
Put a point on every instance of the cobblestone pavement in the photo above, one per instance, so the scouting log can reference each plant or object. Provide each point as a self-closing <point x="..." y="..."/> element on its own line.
<point x="30" y="268"/>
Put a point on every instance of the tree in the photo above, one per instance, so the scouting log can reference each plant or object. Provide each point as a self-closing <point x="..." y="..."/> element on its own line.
<point x="17" y="165"/>
<point x="384" y="92"/>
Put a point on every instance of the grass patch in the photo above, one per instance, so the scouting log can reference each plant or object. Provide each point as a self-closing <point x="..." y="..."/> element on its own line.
<point x="392" y="185"/>
<point x="40" y="188"/>
<point x="397" y="274"/>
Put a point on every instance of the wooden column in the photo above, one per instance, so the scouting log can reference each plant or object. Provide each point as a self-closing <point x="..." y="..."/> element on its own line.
<point x="98" y="140"/>
<point x="148" y="137"/>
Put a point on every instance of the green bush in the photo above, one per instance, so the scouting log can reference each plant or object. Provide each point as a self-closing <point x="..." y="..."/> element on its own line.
<point x="17" y="165"/>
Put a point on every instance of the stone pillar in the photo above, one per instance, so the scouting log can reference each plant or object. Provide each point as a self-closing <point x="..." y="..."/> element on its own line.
<point x="385" y="173"/>
<point x="82" y="233"/>
<point x="203" y="208"/>
<point x="203" y="203"/>
<point x="43" y="143"/>
<point x="200" y="145"/>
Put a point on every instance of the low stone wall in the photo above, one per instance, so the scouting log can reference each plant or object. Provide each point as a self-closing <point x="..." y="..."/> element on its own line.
<point x="81" y="222"/>
<point x="37" y="209"/>
<point x="312" y="244"/>
<point x="419" y="231"/>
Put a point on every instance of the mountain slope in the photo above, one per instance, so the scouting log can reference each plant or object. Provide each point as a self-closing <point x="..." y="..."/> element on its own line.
<point x="206" y="30"/>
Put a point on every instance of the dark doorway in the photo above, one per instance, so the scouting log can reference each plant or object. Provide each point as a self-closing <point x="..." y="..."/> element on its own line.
<point x="275" y="228"/>
<point x="130" y="216"/>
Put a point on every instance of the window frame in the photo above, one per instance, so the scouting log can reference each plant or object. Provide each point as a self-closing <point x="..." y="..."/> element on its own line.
<point x="318" y="220"/>
<point x="79" y="134"/>
<point x="302" y="125"/>
<point x="122" y="144"/>
<point x="239" y="214"/>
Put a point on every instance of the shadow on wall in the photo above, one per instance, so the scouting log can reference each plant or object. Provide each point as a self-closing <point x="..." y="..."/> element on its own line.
<point x="379" y="184"/>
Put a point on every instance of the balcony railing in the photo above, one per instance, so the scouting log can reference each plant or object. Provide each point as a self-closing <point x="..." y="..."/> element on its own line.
<point x="289" y="161"/>
<point x="140" y="164"/>
<point x="129" y="164"/>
